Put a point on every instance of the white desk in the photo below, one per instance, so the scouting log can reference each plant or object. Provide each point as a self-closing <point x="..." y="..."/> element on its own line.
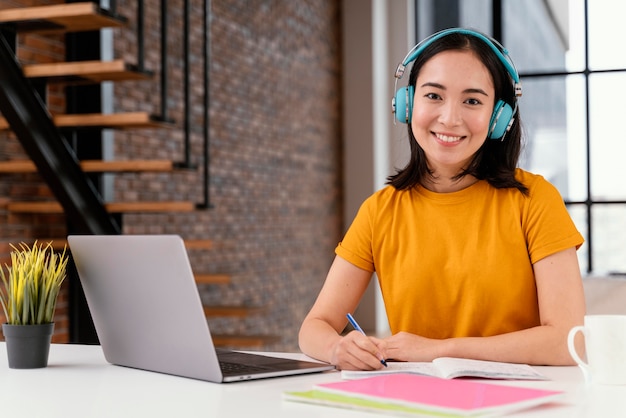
<point x="79" y="383"/>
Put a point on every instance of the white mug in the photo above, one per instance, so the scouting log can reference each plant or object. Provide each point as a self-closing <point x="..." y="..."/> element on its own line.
<point x="605" y="344"/>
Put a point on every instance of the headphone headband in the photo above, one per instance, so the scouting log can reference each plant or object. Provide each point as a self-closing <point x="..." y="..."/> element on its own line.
<point x="501" y="52"/>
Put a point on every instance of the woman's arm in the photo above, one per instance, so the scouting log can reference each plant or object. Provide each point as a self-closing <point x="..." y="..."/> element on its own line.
<point x="561" y="306"/>
<point x="320" y="331"/>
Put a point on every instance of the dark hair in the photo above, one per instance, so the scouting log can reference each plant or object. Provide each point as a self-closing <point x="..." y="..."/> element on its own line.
<point x="496" y="160"/>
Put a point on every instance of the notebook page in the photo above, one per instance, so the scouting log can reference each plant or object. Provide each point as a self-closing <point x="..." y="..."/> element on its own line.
<point x="458" y="367"/>
<point x="421" y="368"/>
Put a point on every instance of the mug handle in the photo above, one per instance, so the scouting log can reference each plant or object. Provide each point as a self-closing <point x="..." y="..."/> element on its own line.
<point x="572" y="351"/>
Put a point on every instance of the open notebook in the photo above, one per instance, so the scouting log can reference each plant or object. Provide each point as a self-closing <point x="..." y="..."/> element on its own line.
<point x="147" y="312"/>
<point x="451" y="368"/>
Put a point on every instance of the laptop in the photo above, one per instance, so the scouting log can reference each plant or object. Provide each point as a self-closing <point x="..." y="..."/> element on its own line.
<point x="148" y="315"/>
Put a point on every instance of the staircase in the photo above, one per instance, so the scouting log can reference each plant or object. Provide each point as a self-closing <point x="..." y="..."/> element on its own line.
<point x="44" y="134"/>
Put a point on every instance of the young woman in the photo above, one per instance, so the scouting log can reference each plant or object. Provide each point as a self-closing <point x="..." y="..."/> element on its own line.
<point x="475" y="257"/>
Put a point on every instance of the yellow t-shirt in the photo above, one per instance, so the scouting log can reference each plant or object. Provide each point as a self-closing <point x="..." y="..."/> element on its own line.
<point x="460" y="264"/>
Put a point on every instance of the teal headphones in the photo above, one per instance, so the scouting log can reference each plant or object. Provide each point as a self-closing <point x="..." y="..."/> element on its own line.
<point x="503" y="115"/>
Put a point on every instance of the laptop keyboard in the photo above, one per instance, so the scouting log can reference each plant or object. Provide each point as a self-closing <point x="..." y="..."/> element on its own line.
<point x="236" y="368"/>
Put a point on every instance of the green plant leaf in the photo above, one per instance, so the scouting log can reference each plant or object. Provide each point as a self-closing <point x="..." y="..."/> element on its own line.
<point x="32" y="283"/>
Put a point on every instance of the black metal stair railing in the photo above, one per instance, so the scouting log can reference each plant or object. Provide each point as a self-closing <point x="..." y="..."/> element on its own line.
<point x="44" y="144"/>
<point x="164" y="80"/>
<point x="186" y="163"/>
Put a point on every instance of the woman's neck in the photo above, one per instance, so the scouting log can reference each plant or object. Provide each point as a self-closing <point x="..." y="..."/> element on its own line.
<point x="440" y="183"/>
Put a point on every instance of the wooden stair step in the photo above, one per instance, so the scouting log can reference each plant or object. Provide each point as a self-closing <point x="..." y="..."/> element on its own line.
<point x="232" y="311"/>
<point x="198" y="244"/>
<point x="244" y="341"/>
<point x="129" y="120"/>
<point x="17" y="166"/>
<point x="127" y="166"/>
<point x="212" y="278"/>
<point x="82" y="72"/>
<point x="67" y="17"/>
<point x="5" y="248"/>
<point x="95" y="166"/>
<point x="173" y="206"/>
<point x="59" y="243"/>
<point x="53" y="207"/>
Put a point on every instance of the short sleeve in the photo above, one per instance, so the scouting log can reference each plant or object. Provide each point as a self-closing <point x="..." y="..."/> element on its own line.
<point x="356" y="246"/>
<point x="549" y="227"/>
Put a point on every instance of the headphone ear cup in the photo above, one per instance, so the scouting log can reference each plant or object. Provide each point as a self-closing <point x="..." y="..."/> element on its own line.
<point x="501" y="119"/>
<point x="404" y="104"/>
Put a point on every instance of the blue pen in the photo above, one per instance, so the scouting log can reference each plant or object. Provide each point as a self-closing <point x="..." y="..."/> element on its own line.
<point x="358" y="328"/>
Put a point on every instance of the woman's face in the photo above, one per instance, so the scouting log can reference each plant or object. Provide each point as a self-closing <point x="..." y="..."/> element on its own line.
<point x="452" y="106"/>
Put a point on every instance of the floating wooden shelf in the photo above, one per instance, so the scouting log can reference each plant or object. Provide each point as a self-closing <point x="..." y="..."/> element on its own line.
<point x="130" y="120"/>
<point x="53" y="207"/>
<point x="67" y="17"/>
<point x="232" y="311"/>
<point x="95" y="166"/>
<point x="85" y="72"/>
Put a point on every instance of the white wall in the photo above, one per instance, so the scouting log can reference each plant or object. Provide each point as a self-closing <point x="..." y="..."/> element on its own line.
<point x="377" y="34"/>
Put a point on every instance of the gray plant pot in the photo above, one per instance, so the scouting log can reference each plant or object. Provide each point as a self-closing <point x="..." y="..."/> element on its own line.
<point x="28" y="345"/>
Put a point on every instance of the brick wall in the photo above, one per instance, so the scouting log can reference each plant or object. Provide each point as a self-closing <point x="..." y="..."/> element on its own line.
<point x="275" y="151"/>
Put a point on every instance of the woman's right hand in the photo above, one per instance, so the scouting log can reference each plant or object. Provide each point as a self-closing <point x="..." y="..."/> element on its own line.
<point x="356" y="351"/>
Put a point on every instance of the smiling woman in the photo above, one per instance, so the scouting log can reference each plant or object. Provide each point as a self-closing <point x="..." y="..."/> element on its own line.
<point x="475" y="257"/>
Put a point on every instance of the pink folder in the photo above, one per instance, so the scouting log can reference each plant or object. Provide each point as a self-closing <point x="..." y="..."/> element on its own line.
<point x="443" y="395"/>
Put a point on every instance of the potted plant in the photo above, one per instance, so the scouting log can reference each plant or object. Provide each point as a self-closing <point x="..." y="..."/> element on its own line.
<point x="31" y="287"/>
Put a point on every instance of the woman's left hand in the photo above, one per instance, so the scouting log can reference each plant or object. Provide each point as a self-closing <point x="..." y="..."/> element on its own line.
<point x="404" y="346"/>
